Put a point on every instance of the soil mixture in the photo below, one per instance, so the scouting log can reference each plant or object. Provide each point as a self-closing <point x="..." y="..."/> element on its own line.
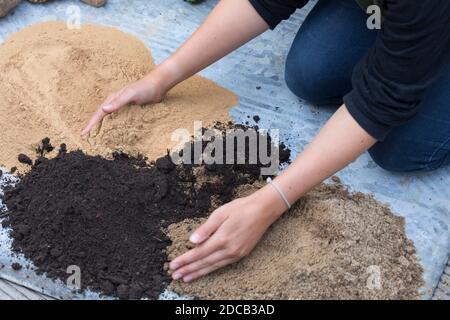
<point x="332" y="244"/>
<point x="53" y="79"/>
<point x="108" y="216"/>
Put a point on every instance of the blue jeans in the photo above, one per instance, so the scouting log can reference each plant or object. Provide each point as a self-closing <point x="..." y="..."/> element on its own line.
<point x="319" y="66"/>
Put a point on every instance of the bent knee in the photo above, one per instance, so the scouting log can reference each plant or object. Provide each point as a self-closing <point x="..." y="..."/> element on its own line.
<point x="311" y="80"/>
<point x="303" y="80"/>
<point x="388" y="162"/>
<point x="395" y="159"/>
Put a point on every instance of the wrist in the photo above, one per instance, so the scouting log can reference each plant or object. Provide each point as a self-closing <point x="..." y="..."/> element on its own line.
<point x="165" y="76"/>
<point x="156" y="83"/>
<point x="270" y="203"/>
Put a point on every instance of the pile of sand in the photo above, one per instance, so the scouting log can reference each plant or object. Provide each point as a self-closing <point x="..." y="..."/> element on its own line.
<point x="331" y="245"/>
<point x="53" y="79"/>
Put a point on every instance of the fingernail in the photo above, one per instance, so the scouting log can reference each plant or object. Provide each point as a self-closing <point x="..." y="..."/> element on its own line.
<point x="187" y="279"/>
<point x="195" y="238"/>
<point x="176" y="276"/>
<point x="107" y="108"/>
<point x="173" y="266"/>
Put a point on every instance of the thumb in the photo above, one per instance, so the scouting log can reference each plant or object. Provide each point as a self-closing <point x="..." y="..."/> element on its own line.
<point x="208" y="228"/>
<point x="120" y="101"/>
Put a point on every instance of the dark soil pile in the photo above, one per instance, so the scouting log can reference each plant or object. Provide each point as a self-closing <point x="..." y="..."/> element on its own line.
<point x="107" y="215"/>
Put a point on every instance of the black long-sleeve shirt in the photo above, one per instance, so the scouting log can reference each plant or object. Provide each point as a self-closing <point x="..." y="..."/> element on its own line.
<point x="390" y="82"/>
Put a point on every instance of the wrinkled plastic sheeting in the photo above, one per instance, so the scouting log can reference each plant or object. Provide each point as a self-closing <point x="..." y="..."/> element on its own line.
<point x="256" y="73"/>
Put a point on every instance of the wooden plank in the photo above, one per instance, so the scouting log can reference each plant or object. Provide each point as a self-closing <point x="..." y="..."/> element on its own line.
<point x="11" y="291"/>
<point x="4" y="295"/>
<point x="442" y="291"/>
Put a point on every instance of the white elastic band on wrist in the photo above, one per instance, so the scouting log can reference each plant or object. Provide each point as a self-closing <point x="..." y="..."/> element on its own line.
<point x="280" y="192"/>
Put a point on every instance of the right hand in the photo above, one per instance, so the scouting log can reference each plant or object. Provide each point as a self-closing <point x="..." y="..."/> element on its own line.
<point x="141" y="92"/>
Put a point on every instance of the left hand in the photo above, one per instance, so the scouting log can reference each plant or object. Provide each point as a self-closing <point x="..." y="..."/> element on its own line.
<point x="230" y="233"/>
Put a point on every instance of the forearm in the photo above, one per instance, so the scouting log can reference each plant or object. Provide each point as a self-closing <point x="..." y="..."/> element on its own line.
<point x="231" y="24"/>
<point x="339" y="143"/>
<point x="234" y="229"/>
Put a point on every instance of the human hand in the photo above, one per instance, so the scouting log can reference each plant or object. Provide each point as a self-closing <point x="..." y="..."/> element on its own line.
<point x="230" y="233"/>
<point x="147" y="90"/>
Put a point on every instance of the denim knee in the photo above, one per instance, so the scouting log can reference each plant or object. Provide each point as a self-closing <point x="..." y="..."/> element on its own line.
<point x="387" y="160"/>
<point x="310" y="75"/>
<point x="395" y="159"/>
<point x="303" y="78"/>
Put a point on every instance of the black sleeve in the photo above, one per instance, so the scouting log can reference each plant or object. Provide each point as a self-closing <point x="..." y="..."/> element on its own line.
<point x="274" y="11"/>
<point x="390" y="82"/>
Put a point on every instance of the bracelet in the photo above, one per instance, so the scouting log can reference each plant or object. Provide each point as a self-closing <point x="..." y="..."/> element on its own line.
<point x="280" y="192"/>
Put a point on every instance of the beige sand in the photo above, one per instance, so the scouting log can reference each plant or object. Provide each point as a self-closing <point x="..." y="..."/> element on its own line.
<point x="331" y="245"/>
<point x="53" y="79"/>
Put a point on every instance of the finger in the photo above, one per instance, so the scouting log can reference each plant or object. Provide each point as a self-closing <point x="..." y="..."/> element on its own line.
<point x="207" y="270"/>
<point x="111" y="98"/>
<point x="195" y="254"/>
<point x="98" y="115"/>
<point x="125" y="97"/>
<point x="199" y="264"/>
<point x="96" y="118"/>
<point x="208" y="228"/>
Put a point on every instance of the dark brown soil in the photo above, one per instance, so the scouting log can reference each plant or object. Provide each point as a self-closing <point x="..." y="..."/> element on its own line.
<point x="16" y="266"/>
<point x="107" y="216"/>
<point x="45" y="147"/>
<point x="25" y="159"/>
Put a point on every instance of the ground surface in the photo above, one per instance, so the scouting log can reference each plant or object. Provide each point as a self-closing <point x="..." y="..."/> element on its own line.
<point x="255" y="73"/>
<point x="11" y="291"/>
